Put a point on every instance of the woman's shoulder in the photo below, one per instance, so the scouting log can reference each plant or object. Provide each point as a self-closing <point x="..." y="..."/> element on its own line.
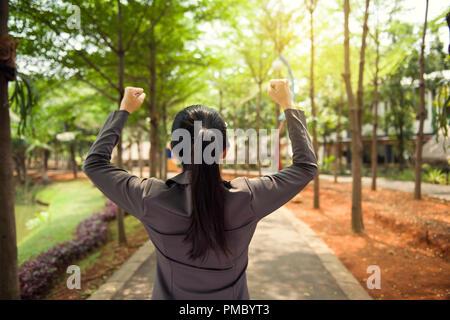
<point x="240" y="184"/>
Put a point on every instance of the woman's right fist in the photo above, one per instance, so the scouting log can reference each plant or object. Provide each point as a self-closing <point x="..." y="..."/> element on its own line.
<point x="278" y="90"/>
<point x="132" y="99"/>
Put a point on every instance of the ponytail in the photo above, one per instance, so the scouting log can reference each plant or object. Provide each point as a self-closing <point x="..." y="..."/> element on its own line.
<point x="207" y="228"/>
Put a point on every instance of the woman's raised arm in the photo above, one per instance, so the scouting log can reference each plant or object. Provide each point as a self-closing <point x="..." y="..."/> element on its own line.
<point x="124" y="189"/>
<point x="272" y="191"/>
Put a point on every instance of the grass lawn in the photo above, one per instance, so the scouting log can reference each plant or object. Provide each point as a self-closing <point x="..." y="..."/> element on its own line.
<point x="70" y="202"/>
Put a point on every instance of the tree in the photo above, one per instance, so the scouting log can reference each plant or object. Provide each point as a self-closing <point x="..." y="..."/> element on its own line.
<point x="337" y="148"/>
<point x="355" y="116"/>
<point x="279" y="23"/>
<point x="418" y="171"/>
<point x="258" y="57"/>
<point x="311" y="5"/>
<point x="9" y="281"/>
<point x="374" y="154"/>
<point x="100" y="62"/>
<point x="399" y="116"/>
<point x="402" y="37"/>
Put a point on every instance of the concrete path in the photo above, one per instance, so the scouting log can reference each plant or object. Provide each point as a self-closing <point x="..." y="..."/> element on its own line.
<point x="432" y="190"/>
<point x="286" y="261"/>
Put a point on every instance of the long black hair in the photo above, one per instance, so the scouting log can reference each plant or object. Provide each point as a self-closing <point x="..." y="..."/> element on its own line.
<point x="207" y="227"/>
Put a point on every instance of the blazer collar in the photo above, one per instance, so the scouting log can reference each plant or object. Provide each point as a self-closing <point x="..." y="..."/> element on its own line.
<point x="181" y="178"/>
<point x="185" y="178"/>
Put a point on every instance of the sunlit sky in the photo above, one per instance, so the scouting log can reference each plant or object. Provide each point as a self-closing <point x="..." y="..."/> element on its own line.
<point x="435" y="8"/>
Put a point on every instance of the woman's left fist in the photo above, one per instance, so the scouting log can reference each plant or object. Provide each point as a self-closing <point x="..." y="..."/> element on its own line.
<point x="132" y="99"/>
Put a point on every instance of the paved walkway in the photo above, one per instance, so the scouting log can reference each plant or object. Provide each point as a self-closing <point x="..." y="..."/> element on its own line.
<point x="286" y="261"/>
<point x="433" y="190"/>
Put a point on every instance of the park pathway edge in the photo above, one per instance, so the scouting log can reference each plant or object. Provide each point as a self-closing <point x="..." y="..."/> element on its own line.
<point x="346" y="281"/>
<point x="120" y="277"/>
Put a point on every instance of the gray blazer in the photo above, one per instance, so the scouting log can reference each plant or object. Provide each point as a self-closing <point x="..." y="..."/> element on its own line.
<point x="164" y="208"/>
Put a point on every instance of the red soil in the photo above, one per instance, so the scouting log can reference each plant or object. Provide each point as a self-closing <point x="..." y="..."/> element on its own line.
<point x="407" y="238"/>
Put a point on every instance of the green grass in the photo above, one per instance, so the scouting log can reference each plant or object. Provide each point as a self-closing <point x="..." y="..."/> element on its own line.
<point x="396" y="174"/>
<point x="429" y="175"/>
<point x="132" y="225"/>
<point x="70" y="202"/>
<point x="90" y="260"/>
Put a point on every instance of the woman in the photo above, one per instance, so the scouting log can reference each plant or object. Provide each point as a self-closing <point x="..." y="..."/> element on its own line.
<point x="200" y="224"/>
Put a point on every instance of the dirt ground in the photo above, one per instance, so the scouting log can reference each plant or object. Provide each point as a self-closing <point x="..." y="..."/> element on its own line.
<point x="408" y="239"/>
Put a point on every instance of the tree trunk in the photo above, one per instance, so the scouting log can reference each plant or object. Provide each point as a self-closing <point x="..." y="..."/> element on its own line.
<point x="9" y="283"/>
<point x="73" y="161"/>
<point x="418" y="180"/>
<point x="46" y="156"/>
<point x="164" y="142"/>
<point x="337" y="161"/>
<point x="235" y="139"/>
<point x="161" y="162"/>
<point x="140" y="162"/>
<point x="362" y="59"/>
<point x="374" y="153"/>
<point x="401" y="147"/>
<point x="247" y="155"/>
<point x="220" y="101"/>
<point x="120" y="213"/>
<point x="130" y="157"/>
<point x="43" y="168"/>
<point x="258" y="125"/>
<point x="56" y="159"/>
<point x="30" y="158"/>
<point x="313" y="108"/>
<point x="277" y="126"/>
<point x="356" y="146"/>
<point x="16" y="167"/>
<point x="152" y="109"/>
<point x="23" y="165"/>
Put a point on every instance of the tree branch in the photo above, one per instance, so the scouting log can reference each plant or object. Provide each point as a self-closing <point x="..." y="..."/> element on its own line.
<point x="107" y="95"/>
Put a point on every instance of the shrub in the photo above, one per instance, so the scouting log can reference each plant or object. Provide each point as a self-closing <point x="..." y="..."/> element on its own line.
<point x="36" y="275"/>
<point x="435" y="176"/>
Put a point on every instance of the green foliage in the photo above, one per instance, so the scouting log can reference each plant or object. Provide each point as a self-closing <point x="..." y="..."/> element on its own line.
<point x="435" y="176"/>
<point x="70" y="202"/>
<point x="209" y="52"/>
<point x="327" y="165"/>
<point x="23" y="98"/>
<point x="394" y="173"/>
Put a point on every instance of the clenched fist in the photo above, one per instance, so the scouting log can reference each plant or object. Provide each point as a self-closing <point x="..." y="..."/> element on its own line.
<point x="279" y="92"/>
<point x="132" y="99"/>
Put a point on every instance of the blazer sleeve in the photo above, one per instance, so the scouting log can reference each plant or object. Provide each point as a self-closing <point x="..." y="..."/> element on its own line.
<point x="270" y="192"/>
<point x="124" y="189"/>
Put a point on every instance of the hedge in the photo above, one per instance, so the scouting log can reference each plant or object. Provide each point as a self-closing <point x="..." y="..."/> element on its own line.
<point x="36" y="275"/>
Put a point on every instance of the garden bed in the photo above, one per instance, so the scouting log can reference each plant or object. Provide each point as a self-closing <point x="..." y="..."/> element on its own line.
<point x="101" y="263"/>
